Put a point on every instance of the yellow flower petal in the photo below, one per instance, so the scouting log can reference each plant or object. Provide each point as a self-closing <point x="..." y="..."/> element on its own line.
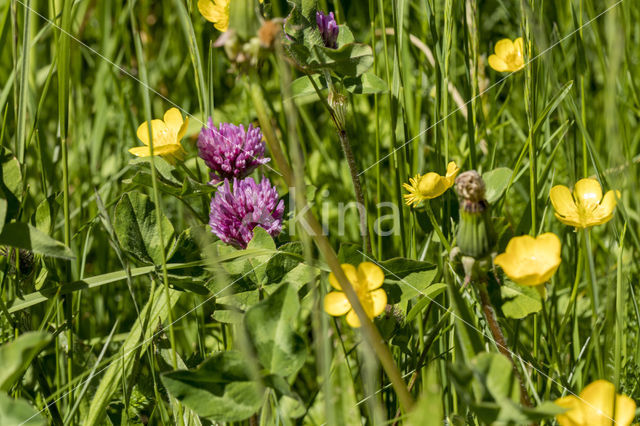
<point x="183" y="129"/>
<point x="562" y="201"/>
<point x="586" y="207"/>
<point x="165" y="137"/>
<point x="504" y="48"/>
<point x="604" y="212"/>
<point x="215" y="11"/>
<point x="549" y="245"/>
<point x="625" y="410"/>
<point x="370" y="276"/>
<point x="598" y="400"/>
<point x="509" y="55"/>
<point x="531" y="261"/>
<point x="452" y="169"/>
<point x="350" y="272"/>
<point x="173" y="120"/>
<point x="158" y="129"/>
<point x="595" y="407"/>
<point x="336" y="303"/>
<point x="429" y="186"/>
<point x="497" y="64"/>
<point x="574" y="415"/>
<point x="140" y="151"/>
<point x="378" y="302"/>
<point x="518" y="44"/>
<point x="587" y="193"/>
<point x="145" y="151"/>
<point x="352" y="319"/>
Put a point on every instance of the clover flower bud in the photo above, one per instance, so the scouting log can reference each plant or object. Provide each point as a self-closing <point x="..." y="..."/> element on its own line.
<point x="328" y="29"/>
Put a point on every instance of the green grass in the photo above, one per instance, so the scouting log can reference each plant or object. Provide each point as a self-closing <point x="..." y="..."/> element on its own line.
<point x="78" y="78"/>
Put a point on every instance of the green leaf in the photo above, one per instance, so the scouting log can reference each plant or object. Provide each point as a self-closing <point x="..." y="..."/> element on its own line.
<point x="302" y="86"/>
<point x="488" y="385"/>
<point x="220" y="389"/>
<point x="519" y="301"/>
<point x="496" y="182"/>
<point x="261" y="240"/>
<point x="407" y="288"/>
<point x="25" y="236"/>
<point x="16" y="356"/>
<point x="466" y="323"/>
<point x="18" y="412"/>
<point x="288" y="257"/>
<point x="270" y="326"/>
<point x="43" y="295"/>
<point x="138" y="339"/>
<point x="136" y="228"/>
<point x="400" y="267"/>
<point x="349" y="60"/>
<point x="552" y="105"/>
<point x="45" y="214"/>
<point x="366" y="84"/>
<point x="429" y="293"/>
<point x="10" y="181"/>
<point x="495" y="372"/>
<point x="345" y="36"/>
<point x="302" y="20"/>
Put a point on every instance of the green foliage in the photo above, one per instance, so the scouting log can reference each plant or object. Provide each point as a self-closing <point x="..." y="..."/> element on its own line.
<point x="488" y="386"/>
<point x="270" y="326"/>
<point x="519" y="301"/>
<point x="135" y="226"/>
<point x="16" y="356"/>
<point x="18" y="412"/>
<point x="88" y="335"/>
<point x="497" y="181"/>
<point x="428" y="410"/>
<point x="220" y="389"/>
<point x="25" y="236"/>
<point x="138" y="339"/>
<point x="10" y="185"/>
<point x="308" y="51"/>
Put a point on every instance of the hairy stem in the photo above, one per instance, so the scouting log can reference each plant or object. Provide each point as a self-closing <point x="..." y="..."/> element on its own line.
<point x="500" y="341"/>
<point x="357" y="188"/>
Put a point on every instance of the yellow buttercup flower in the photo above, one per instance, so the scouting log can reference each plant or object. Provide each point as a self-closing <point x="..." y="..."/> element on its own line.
<point x="531" y="261"/>
<point x="595" y="407"/>
<point x="216" y="11"/>
<point x="587" y="207"/>
<point x="509" y="55"/>
<point x="166" y="137"/>
<point x="366" y="281"/>
<point x="431" y="185"/>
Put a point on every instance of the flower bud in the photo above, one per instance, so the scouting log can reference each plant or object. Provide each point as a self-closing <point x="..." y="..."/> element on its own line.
<point x="476" y="236"/>
<point x="328" y="28"/>
<point x="338" y="103"/>
<point x="26" y="261"/>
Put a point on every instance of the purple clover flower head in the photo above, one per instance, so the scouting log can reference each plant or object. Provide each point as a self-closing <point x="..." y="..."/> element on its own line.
<point x="236" y="210"/>
<point x="230" y="151"/>
<point x="328" y="29"/>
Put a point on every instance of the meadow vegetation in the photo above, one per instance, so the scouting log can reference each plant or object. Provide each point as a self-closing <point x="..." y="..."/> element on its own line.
<point x="342" y="212"/>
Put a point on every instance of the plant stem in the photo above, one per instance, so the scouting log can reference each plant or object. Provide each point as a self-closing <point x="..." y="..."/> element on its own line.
<point x="369" y="330"/>
<point x="357" y="188"/>
<point x="436" y="227"/>
<point x="351" y="162"/>
<point x="499" y="339"/>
